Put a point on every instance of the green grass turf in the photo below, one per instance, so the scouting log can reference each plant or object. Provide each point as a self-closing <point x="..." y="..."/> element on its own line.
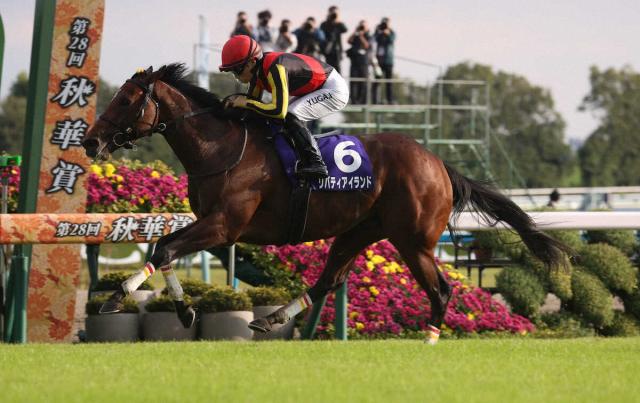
<point x="503" y="370"/>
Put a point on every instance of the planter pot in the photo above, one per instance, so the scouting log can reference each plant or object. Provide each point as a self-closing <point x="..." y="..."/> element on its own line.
<point x="121" y="327"/>
<point x="232" y="325"/>
<point x="279" y="332"/>
<point x="164" y="326"/>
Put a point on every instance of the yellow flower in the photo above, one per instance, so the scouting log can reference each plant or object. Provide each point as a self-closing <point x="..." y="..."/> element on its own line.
<point x="353" y="315"/>
<point x="359" y="326"/>
<point x="185" y="202"/>
<point x="394" y="267"/>
<point x="376" y="259"/>
<point x="470" y="316"/>
<point x="155" y="174"/>
<point x="96" y="169"/>
<point x="369" y="253"/>
<point x="308" y="243"/>
<point x="385" y="269"/>
<point x="374" y="291"/>
<point x="403" y="281"/>
<point x="370" y="266"/>
<point x="109" y="170"/>
<point x="120" y="187"/>
<point x="119" y="178"/>
<point x="366" y="279"/>
<point x="140" y="200"/>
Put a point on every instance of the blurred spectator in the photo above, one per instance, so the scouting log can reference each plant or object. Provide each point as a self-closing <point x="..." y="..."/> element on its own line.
<point x="385" y="37"/>
<point x="264" y="34"/>
<point x="286" y="41"/>
<point x="242" y="25"/>
<point x="333" y="29"/>
<point x="554" y="197"/>
<point x="310" y="38"/>
<point x="358" y="53"/>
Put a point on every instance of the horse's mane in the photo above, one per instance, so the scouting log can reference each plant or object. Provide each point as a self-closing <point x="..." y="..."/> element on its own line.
<point x="177" y="76"/>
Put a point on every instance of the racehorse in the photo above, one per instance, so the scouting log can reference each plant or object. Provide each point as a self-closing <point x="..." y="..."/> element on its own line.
<point x="239" y="192"/>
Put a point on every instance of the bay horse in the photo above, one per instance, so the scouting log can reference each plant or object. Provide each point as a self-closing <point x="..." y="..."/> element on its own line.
<point x="239" y="192"/>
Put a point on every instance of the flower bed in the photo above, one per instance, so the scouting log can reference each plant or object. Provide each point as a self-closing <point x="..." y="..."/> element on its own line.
<point x="384" y="299"/>
<point x="126" y="187"/>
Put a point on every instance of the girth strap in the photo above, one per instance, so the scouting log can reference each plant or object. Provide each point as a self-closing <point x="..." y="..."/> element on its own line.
<point x="298" y="208"/>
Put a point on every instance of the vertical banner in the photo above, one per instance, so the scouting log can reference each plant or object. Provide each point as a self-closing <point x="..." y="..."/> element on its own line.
<point x="70" y="110"/>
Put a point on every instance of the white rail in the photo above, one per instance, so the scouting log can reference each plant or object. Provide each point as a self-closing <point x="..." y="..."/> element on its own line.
<point x="562" y="220"/>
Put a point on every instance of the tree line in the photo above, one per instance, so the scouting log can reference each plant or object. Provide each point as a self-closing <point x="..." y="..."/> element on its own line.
<point x="522" y="117"/>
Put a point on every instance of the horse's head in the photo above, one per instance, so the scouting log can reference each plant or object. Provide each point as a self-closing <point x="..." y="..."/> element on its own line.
<point x="132" y="113"/>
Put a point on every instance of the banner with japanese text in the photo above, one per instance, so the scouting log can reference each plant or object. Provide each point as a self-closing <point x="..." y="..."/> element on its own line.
<point x="70" y="110"/>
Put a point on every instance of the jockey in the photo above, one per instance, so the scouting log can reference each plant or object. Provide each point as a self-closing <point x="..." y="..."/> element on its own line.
<point x="302" y="89"/>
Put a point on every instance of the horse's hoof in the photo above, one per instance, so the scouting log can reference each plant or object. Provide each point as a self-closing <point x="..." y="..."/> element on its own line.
<point x="114" y="303"/>
<point x="260" y="325"/>
<point x="188" y="317"/>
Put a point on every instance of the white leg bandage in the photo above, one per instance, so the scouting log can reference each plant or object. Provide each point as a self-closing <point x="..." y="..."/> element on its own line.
<point x="433" y="334"/>
<point x="297" y="305"/>
<point x="132" y="283"/>
<point x="173" y="285"/>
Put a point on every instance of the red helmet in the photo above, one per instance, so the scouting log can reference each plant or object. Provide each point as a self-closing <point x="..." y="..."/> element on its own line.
<point x="238" y="51"/>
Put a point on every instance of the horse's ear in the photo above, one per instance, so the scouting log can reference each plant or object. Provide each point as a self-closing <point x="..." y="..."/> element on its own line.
<point x="149" y="71"/>
<point x="156" y="75"/>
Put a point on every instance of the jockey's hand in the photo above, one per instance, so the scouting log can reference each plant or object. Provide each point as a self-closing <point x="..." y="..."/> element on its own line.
<point x="236" y="101"/>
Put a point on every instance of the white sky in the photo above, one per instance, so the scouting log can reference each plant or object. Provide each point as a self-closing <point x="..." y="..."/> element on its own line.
<point x="551" y="43"/>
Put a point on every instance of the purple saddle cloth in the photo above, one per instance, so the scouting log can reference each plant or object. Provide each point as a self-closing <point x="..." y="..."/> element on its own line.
<point x="347" y="162"/>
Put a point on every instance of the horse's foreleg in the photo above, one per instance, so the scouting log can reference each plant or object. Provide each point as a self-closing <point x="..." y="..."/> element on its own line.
<point x="114" y="303"/>
<point x="342" y="255"/>
<point x="197" y="236"/>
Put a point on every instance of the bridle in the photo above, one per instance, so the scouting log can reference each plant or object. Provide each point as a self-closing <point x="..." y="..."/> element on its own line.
<point x="126" y="136"/>
<point x="129" y="134"/>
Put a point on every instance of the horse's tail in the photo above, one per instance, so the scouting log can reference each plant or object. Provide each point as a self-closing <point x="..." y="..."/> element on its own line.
<point x="493" y="206"/>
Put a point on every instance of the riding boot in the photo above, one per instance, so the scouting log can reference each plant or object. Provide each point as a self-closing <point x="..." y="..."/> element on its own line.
<point x="310" y="164"/>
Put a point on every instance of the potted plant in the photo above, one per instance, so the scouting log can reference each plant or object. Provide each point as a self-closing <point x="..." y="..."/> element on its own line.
<point x="161" y="322"/>
<point x="267" y="300"/>
<point x="122" y="326"/>
<point x="225" y="314"/>
<point x="111" y="282"/>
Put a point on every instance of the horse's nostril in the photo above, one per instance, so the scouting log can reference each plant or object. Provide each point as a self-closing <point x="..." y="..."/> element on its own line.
<point x="89" y="144"/>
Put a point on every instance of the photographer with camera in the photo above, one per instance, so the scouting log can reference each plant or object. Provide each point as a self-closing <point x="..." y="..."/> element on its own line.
<point x="333" y="29"/>
<point x="385" y="37"/>
<point x="310" y="38"/>
<point x="242" y="25"/>
<point x="286" y="41"/>
<point x="264" y="34"/>
<point x="358" y="54"/>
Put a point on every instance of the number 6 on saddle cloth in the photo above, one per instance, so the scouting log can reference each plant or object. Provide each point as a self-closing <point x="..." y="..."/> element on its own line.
<point x="348" y="166"/>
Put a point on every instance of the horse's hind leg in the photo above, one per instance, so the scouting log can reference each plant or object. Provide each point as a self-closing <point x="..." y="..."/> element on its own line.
<point x="422" y="264"/>
<point x="342" y="255"/>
